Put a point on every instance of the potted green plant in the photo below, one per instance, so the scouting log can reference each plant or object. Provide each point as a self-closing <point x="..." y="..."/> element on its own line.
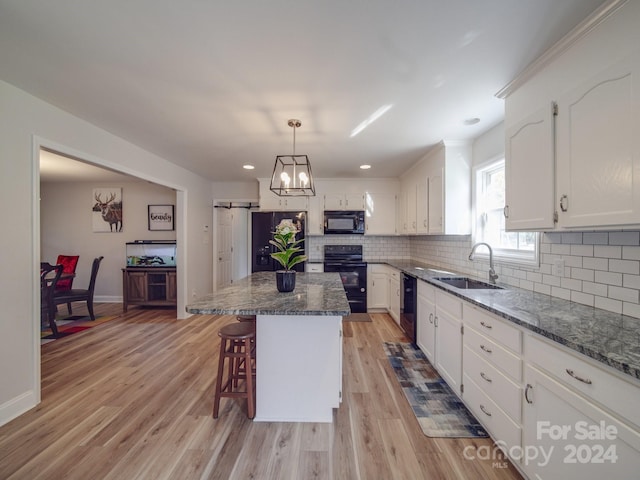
<point x="288" y="254"/>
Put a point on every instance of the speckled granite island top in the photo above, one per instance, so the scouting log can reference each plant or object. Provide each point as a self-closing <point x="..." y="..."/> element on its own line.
<point x="315" y="294"/>
<point x="607" y="337"/>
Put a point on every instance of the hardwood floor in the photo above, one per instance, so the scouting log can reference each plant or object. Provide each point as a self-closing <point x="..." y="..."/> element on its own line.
<point x="132" y="399"/>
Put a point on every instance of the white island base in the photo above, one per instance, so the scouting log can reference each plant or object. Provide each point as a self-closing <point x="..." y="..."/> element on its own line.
<point x="298" y="367"/>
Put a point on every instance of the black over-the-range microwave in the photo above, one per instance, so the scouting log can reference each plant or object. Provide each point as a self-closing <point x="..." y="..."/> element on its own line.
<point x="344" y="222"/>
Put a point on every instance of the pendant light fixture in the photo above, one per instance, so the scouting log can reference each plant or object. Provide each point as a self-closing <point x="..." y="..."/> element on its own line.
<point x="292" y="173"/>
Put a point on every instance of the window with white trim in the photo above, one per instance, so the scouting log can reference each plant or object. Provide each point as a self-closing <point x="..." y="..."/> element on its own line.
<point x="489" y="221"/>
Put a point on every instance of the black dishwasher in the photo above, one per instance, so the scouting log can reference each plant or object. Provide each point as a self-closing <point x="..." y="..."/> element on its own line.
<point x="408" y="306"/>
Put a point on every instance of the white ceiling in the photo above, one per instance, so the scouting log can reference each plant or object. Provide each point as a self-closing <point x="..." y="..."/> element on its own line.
<point x="210" y="85"/>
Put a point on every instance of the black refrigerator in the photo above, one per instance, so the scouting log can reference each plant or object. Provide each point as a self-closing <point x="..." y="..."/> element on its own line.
<point x="263" y="224"/>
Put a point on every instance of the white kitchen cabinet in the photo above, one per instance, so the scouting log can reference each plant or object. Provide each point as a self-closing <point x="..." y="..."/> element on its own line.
<point x="598" y="142"/>
<point x="377" y="287"/>
<point x="380" y="213"/>
<point x="435" y="202"/>
<point x="315" y="216"/>
<point x="448" y="349"/>
<point x="314" y="267"/>
<point x="422" y="206"/>
<point x="339" y="201"/>
<point x="394" y="294"/>
<point x="568" y="394"/>
<point x="555" y="418"/>
<point x="449" y="194"/>
<point x="530" y="172"/>
<point x="269" y="201"/>
<point x="409" y="207"/>
<point x="426" y="318"/>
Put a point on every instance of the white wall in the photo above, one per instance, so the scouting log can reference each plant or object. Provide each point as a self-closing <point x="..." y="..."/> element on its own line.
<point x="26" y="123"/>
<point x="65" y="226"/>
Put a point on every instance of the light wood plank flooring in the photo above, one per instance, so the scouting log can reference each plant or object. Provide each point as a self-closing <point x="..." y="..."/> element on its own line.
<point x="132" y="399"/>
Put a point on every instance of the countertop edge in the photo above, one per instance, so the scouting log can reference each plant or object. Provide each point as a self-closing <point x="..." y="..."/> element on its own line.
<point x="624" y="367"/>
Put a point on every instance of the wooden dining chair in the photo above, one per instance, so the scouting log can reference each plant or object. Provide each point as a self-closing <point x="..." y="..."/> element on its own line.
<point x="49" y="276"/>
<point x="81" y="295"/>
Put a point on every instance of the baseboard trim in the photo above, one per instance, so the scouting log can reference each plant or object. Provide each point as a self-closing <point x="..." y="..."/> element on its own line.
<point x="17" y="406"/>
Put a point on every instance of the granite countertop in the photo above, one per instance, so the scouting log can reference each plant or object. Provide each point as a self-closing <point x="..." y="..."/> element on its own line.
<point x="607" y="337"/>
<point x="315" y="294"/>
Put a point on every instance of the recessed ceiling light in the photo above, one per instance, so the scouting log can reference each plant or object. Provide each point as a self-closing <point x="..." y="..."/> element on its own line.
<point x="248" y="167"/>
<point x="365" y="167"/>
<point x="471" y="121"/>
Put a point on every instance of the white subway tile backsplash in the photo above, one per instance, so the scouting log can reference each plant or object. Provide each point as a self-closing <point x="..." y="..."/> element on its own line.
<point x="608" y="278"/>
<point x="624" y="294"/>
<point x="573" y="237"/>
<point x="607" y="251"/>
<point x="596" y="263"/>
<point x="624" y="238"/>
<point x="631" y="253"/>
<point x="595" y="238"/>
<point x="601" y="268"/>
<point x="582" y="250"/>
<point x="582" y="274"/>
<point x="608" y="304"/>
<point x="624" y="266"/>
<point x="582" y="298"/>
<point x="595" y="288"/>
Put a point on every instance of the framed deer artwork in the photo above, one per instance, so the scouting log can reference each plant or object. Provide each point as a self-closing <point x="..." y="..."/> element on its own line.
<point x="107" y="209"/>
<point x="161" y="217"/>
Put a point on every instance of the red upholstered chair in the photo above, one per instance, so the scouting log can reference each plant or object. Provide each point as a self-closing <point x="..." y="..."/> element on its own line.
<point x="69" y="263"/>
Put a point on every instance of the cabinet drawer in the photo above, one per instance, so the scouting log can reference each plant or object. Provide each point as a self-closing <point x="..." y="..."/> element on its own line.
<point x="498" y="356"/>
<point x="615" y="394"/>
<point x="505" y="393"/>
<point x="498" y="423"/>
<point x="449" y="304"/>
<point x="427" y="291"/>
<point x="492" y="327"/>
<point x="378" y="268"/>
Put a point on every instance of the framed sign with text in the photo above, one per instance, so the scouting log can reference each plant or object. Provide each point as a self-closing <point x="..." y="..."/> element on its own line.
<point x="161" y="217"/>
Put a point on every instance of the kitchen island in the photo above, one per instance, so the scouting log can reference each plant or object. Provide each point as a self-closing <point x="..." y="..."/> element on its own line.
<point x="298" y="342"/>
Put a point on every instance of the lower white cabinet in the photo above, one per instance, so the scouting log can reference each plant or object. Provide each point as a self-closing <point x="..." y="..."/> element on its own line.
<point x="567" y="436"/>
<point x="394" y="294"/>
<point x="314" y="267"/>
<point x="426" y="318"/>
<point x="377" y="287"/>
<point x="448" y="347"/>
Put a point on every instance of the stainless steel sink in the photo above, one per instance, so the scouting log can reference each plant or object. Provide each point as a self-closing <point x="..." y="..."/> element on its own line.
<point x="468" y="283"/>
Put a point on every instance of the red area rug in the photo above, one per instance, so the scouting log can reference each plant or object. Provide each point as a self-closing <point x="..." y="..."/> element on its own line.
<point x="70" y="325"/>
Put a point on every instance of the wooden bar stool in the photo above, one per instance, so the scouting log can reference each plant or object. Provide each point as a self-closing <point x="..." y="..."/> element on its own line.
<point x="236" y="345"/>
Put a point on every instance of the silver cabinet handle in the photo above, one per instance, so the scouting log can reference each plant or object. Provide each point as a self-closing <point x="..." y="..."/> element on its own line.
<point x="485" y="325"/>
<point x="505" y="211"/>
<point x="431" y="318"/>
<point x="526" y="393"/>
<point x="583" y="380"/>
<point x="484" y="377"/>
<point x="484" y="410"/>
<point x="435" y="320"/>
<point x="564" y="203"/>
<point x="488" y="350"/>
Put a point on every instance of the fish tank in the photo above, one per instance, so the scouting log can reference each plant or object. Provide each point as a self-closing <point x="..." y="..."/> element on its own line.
<point x="151" y="253"/>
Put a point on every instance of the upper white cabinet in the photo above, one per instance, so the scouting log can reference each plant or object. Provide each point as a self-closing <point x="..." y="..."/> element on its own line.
<point x="436" y="192"/>
<point x="315" y="216"/>
<point x="380" y="213"/>
<point x="271" y="201"/>
<point x="529" y="168"/>
<point x="586" y="159"/>
<point x="339" y="201"/>
<point x="598" y="146"/>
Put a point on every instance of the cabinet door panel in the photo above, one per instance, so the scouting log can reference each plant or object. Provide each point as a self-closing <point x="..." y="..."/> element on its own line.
<point x="426" y="330"/>
<point x="435" y="204"/>
<point x="380" y="213"/>
<point x="529" y="169"/>
<point x="554" y="418"/>
<point x="598" y="150"/>
<point x="449" y="348"/>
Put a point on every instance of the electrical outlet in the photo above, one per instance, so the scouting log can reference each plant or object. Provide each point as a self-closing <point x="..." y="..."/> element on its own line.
<point x="194" y="294"/>
<point x="558" y="267"/>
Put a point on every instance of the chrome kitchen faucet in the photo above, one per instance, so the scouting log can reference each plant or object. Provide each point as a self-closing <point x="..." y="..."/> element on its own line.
<point x="493" y="276"/>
